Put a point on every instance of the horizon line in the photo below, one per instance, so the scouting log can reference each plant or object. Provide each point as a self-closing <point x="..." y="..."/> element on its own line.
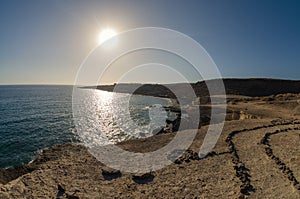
<point x="112" y="83"/>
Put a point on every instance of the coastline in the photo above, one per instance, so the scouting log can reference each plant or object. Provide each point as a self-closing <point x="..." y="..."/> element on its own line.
<point x="252" y="87"/>
<point x="229" y="171"/>
<point x="70" y="165"/>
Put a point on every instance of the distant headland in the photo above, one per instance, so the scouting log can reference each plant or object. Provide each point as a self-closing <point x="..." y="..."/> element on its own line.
<point x="253" y="87"/>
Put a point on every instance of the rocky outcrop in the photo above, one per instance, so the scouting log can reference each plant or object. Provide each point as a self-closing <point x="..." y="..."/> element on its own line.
<point x="70" y="171"/>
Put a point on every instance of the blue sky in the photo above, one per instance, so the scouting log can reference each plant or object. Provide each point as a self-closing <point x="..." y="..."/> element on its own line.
<point x="44" y="42"/>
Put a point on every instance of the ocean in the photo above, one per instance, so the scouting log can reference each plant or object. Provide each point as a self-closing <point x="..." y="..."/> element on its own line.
<point x="34" y="117"/>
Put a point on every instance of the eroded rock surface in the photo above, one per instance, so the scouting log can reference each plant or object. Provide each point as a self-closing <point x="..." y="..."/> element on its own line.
<point x="255" y="157"/>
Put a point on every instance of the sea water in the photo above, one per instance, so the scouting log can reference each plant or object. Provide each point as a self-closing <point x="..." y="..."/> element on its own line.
<point x="33" y="117"/>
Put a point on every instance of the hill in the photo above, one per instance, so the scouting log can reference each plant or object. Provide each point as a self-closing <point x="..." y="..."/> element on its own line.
<point x="254" y="87"/>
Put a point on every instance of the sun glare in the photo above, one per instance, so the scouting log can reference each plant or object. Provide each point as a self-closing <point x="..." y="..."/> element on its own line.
<point x="106" y="34"/>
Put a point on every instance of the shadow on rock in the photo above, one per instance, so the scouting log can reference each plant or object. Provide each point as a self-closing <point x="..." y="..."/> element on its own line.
<point x="143" y="179"/>
<point x="110" y="174"/>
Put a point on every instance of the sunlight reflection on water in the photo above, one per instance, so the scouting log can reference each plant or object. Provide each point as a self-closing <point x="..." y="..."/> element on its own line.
<point x="103" y="117"/>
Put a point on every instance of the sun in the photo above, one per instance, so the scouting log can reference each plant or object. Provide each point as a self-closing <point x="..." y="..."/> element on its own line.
<point x="106" y="34"/>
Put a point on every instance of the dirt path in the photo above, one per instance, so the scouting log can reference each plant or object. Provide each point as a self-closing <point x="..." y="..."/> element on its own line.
<point x="255" y="169"/>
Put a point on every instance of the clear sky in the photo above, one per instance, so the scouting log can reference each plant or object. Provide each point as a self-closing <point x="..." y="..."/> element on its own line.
<point x="44" y="42"/>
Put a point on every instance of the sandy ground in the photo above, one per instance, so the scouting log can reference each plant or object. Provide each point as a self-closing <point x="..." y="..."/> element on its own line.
<point x="254" y="158"/>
